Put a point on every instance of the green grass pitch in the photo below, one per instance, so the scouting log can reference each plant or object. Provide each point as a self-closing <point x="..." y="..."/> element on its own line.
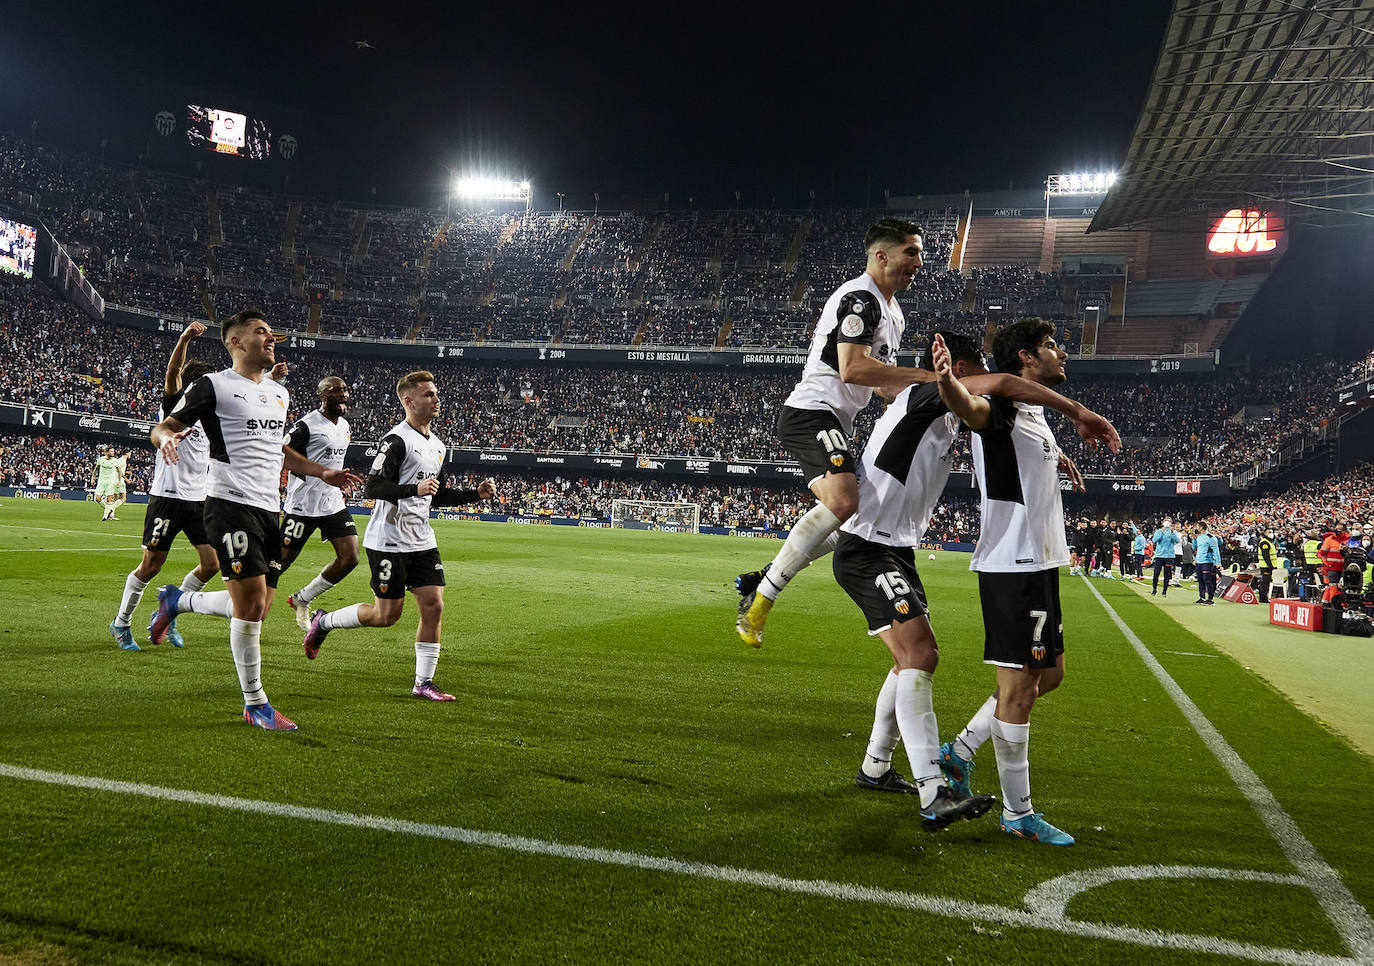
<point x="622" y="779"/>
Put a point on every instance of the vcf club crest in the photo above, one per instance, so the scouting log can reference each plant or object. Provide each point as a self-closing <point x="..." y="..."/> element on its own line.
<point x="286" y="147"/>
<point x="165" y="122"/>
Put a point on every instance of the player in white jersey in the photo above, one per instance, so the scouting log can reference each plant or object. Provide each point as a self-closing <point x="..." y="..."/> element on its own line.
<point x="311" y="504"/>
<point x="1020" y="550"/>
<point x="853" y="352"/>
<point x="407" y="478"/>
<point x="902" y="475"/>
<point x="243" y="415"/>
<point x="175" y="501"/>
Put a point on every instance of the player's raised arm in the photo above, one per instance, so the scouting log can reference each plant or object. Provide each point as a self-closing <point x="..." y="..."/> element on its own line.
<point x="1090" y="425"/>
<point x="171" y="385"/>
<point x="974" y="411"/>
<point x="859" y="368"/>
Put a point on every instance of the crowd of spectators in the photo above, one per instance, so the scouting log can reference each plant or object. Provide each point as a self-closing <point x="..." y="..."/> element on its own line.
<point x="66" y="461"/>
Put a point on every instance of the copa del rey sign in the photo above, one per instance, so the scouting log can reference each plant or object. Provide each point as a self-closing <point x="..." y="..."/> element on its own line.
<point x="1294" y="613"/>
<point x="1246" y="233"/>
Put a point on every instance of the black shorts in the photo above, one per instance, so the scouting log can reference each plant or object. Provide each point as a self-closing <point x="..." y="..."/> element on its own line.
<point x="395" y="571"/>
<point x="1022" y="623"/>
<point x="167" y="516"/>
<point x="246" y="539"/>
<point x="296" y="530"/>
<point x="816" y="439"/>
<point x="882" y="580"/>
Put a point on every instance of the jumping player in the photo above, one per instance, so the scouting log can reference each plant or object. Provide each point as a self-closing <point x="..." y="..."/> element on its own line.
<point x="853" y="352"/>
<point x="405" y="481"/>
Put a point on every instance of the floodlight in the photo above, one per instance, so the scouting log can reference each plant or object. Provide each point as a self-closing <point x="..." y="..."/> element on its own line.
<point x="1094" y="183"/>
<point x="475" y="187"/>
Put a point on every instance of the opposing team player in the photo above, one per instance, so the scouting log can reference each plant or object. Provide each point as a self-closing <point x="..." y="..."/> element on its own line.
<point x="243" y="415"/>
<point x="901" y="477"/>
<point x="1019" y="553"/>
<point x="106" y="477"/>
<point x="311" y="504"/>
<point x="853" y="352"/>
<point x="175" y="501"/>
<point x="406" y="480"/>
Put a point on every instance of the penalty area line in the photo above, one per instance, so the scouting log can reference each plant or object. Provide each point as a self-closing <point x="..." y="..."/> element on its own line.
<point x="818" y="888"/>
<point x="1350" y="918"/>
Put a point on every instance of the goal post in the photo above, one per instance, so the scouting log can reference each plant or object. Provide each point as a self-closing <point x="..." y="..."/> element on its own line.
<point x="647" y="515"/>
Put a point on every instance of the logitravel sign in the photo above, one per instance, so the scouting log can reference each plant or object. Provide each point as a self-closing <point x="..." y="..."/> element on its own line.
<point x="1247" y="233"/>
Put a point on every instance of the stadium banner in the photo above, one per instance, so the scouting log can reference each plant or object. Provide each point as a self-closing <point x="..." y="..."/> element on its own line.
<point x="37" y="492"/>
<point x="574" y="355"/>
<point x="1355" y="393"/>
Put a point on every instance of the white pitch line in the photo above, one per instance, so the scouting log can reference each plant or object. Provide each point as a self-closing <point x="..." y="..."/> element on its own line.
<point x="69" y="549"/>
<point x="1191" y="654"/>
<point x="91" y="533"/>
<point x="820" y="888"/>
<point x="1344" y="910"/>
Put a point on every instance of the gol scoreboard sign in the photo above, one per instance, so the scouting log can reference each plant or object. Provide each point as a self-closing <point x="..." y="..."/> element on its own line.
<point x="1247" y="233"/>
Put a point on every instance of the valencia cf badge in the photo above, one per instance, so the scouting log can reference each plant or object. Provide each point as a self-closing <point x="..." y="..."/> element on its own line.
<point x="383" y="587"/>
<point x="1038" y="652"/>
<point x="836" y="459"/>
<point x="236" y="566"/>
<point x="902" y="607"/>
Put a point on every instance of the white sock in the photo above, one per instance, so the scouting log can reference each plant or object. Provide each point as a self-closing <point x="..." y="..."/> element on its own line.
<point x="343" y="618"/>
<point x="191" y="583"/>
<point x="916" y="719"/>
<point x="215" y="603"/>
<point x="313" y="589"/>
<point x="977" y="731"/>
<point x="133" y="593"/>
<point x="243" y="641"/>
<point x="804" y="544"/>
<point x="426" y="660"/>
<point x="878" y="758"/>
<point x="1011" y="742"/>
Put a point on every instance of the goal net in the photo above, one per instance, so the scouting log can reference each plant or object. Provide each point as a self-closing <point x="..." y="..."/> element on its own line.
<point x="645" y="515"/>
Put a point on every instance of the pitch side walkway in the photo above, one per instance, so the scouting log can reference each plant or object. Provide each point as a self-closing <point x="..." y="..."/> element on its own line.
<point x="1328" y="676"/>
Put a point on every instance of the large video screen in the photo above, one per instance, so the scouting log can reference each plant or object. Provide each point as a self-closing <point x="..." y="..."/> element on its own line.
<point x="18" y="246"/>
<point x="227" y="132"/>
<point x="1247" y="233"/>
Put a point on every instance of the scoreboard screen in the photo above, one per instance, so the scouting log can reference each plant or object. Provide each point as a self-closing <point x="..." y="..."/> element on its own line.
<point x="18" y="246"/>
<point x="227" y="132"/>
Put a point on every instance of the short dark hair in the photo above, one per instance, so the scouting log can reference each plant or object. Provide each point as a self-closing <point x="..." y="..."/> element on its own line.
<point x="1011" y="339"/>
<point x="237" y="321"/>
<point x="412" y="379"/>
<point x="890" y="231"/>
<point x="194" y="369"/>
<point x="962" y="348"/>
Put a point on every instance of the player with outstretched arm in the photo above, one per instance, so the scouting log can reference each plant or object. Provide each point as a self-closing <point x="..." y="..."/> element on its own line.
<point x="402" y="553"/>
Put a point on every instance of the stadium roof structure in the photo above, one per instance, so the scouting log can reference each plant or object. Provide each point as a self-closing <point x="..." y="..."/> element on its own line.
<point x="1254" y="102"/>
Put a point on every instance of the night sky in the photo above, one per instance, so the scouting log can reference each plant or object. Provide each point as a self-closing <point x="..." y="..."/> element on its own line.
<point x="775" y="102"/>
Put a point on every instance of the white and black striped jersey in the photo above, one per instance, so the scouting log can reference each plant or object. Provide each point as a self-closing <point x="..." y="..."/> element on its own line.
<point x="185" y="479"/>
<point x="245" y="424"/>
<point x="905" y="466"/>
<point x="317" y="437"/>
<point x="1016" y="463"/>
<point x="856" y="313"/>
<point x="405" y="457"/>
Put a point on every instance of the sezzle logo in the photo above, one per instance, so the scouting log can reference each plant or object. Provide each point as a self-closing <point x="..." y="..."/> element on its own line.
<point x="493" y="458"/>
<point x="89" y="422"/>
<point x="1136" y="487"/>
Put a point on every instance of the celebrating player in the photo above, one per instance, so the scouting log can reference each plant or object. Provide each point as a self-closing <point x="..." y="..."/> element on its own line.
<point x="321" y="435"/>
<point x="406" y="480"/>
<point x="853" y="352"/>
<point x="107" y="476"/>
<point x="1018" y="556"/>
<point x="243" y="414"/>
<point x="175" y="501"/>
<point x="902" y="474"/>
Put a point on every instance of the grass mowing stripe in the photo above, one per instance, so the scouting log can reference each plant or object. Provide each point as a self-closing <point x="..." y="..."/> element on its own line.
<point x="843" y="892"/>
<point x="92" y="533"/>
<point x="1340" y="905"/>
<point x="70" y="550"/>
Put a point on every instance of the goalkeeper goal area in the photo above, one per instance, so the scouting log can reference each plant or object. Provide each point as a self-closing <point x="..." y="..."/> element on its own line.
<point x="645" y="515"/>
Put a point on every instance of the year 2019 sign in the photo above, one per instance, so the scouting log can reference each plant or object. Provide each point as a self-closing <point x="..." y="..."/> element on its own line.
<point x="1247" y="233"/>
